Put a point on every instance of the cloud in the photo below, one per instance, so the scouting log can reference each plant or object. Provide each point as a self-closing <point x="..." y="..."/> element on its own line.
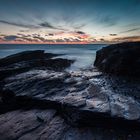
<point x="80" y="32"/>
<point x="50" y="34"/>
<point x="39" y="38"/>
<point x="10" y="37"/>
<point x="126" y="39"/>
<point x="102" y="39"/>
<point x="18" y="24"/>
<point x="79" y="26"/>
<point x="23" y="35"/>
<point x="131" y="30"/>
<point x="108" y="20"/>
<point x="29" y="26"/>
<point x="50" y="26"/>
<point x="24" y="31"/>
<point x="113" y="34"/>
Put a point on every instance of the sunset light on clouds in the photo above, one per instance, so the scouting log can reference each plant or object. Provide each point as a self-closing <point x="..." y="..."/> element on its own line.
<point x="71" y="21"/>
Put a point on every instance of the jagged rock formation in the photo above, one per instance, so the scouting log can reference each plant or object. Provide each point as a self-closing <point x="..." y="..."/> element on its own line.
<point x="120" y="59"/>
<point x="46" y="102"/>
<point x="27" y="60"/>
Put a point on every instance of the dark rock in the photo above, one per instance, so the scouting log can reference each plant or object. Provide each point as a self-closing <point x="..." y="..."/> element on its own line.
<point x="58" y="64"/>
<point x="120" y="59"/>
<point x="99" y="100"/>
<point x="27" y="60"/>
<point x="20" y="123"/>
<point x="84" y="104"/>
<point x="25" y="56"/>
<point x="24" y="125"/>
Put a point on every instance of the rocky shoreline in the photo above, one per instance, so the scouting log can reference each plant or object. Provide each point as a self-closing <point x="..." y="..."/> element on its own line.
<point x="40" y="100"/>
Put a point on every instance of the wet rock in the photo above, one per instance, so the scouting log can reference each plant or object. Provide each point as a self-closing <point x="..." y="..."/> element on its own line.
<point x="74" y="101"/>
<point x="95" y="96"/>
<point x="27" y="60"/>
<point x="80" y="102"/>
<point x="120" y="59"/>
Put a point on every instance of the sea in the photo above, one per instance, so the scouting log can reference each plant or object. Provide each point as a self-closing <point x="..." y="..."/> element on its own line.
<point x="84" y="55"/>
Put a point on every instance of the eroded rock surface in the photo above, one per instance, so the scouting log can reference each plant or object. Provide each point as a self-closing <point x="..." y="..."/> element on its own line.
<point x="46" y="124"/>
<point x="67" y="105"/>
<point x="85" y="93"/>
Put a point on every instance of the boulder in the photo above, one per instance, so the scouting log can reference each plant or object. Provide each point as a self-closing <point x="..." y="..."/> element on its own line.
<point x="119" y="59"/>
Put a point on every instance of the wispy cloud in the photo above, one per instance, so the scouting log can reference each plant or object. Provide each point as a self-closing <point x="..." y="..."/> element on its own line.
<point x="18" y="24"/>
<point x="131" y="30"/>
<point x="128" y="38"/>
<point x="78" y="27"/>
<point x="108" y="20"/>
<point x="37" y="26"/>
<point x="50" y="26"/>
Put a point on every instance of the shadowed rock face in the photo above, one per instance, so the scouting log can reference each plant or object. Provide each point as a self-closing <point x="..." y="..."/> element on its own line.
<point x="54" y="104"/>
<point x="25" y="56"/>
<point x="27" y="60"/>
<point x="120" y="59"/>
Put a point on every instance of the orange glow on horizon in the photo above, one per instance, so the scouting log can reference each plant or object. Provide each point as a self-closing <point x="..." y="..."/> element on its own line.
<point x="15" y="42"/>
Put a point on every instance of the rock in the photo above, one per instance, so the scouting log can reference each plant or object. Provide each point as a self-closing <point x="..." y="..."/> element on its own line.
<point x="19" y="123"/>
<point x="58" y="64"/>
<point x="120" y="59"/>
<point x="63" y="105"/>
<point x="74" y="101"/>
<point x="78" y="102"/>
<point x="25" y="56"/>
<point x="24" y="125"/>
<point x="27" y="60"/>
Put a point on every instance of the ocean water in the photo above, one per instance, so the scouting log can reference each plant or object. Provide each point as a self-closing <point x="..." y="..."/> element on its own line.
<point x="84" y="55"/>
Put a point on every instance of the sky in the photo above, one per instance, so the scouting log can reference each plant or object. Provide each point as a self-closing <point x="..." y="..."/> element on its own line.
<point x="69" y="21"/>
